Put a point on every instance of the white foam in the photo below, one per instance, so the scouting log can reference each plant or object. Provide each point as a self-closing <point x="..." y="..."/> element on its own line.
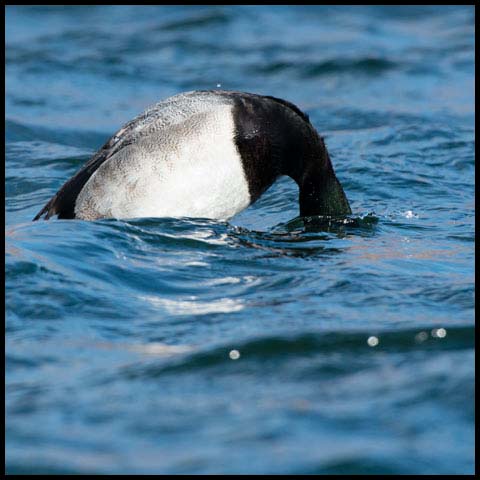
<point x="193" y="306"/>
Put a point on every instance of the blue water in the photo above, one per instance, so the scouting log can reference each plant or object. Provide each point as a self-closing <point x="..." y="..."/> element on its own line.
<point x="356" y="340"/>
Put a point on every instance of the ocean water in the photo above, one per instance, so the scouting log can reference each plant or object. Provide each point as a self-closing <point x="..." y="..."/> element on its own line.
<point x="265" y="344"/>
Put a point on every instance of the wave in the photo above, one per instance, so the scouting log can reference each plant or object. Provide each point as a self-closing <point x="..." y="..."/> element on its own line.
<point x="16" y="131"/>
<point x="277" y="347"/>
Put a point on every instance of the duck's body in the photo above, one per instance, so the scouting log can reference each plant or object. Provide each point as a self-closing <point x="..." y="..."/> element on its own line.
<point x="203" y="154"/>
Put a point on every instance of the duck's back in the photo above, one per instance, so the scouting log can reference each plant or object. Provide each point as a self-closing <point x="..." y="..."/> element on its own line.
<point x="198" y="154"/>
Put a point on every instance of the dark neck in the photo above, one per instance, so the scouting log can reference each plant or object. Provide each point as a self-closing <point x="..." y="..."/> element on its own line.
<point x="275" y="138"/>
<point x="323" y="194"/>
<point x="320" y="191"/>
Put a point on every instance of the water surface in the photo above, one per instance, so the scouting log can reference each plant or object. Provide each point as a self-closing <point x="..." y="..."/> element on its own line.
<point x="355" y="340"/>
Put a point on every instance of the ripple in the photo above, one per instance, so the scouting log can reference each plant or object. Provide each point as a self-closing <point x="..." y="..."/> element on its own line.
<point x="306" y="345"/>
<point x="312" y="69"/>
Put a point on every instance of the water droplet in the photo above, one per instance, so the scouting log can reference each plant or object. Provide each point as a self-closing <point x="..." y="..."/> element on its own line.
<point x="439" y="333"/>
<point x="421" y="337"/>
<point x="372" y="341"/>
<point x="234" y="354"/>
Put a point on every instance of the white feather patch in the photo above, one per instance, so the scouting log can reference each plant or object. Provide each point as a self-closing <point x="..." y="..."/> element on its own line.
<point x="188" y="168"/>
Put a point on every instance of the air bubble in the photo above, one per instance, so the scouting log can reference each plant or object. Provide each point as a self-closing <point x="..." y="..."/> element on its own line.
<point x="234" y="354"/>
